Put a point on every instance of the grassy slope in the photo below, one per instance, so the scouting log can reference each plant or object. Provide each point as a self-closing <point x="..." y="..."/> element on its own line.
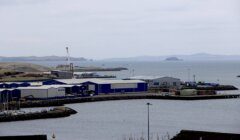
<point x="21" y="67"/>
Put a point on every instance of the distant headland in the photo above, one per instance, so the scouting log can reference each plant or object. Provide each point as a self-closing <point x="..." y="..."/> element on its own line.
<point x="42" y="58"/>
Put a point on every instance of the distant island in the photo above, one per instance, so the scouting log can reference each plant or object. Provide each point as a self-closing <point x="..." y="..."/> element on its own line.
<point x="43" y="58"/>
<point x="191" y="57"/>
<point x="173" y="59"/>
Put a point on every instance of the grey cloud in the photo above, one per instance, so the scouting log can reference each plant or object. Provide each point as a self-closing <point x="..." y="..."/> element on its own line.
<point x="107" y="28"/>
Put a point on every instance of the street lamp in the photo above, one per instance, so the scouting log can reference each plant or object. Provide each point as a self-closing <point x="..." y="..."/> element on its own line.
<point x="148" y="104"/>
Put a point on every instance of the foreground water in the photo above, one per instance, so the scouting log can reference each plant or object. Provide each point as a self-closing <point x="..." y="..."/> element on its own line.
<point x="114" y="120"/>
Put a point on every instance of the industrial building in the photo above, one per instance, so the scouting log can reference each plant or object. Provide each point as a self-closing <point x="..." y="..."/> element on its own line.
<point x="72" y="89"/>
<point x="42" y="92"/>
<point x="7" y="95"/>
<point x="116" y="86"/>
<point x="62" y="74"/>
<point x="65" y="81"/>
<point x="161" y="82"/>
<point x="104" y="86"/>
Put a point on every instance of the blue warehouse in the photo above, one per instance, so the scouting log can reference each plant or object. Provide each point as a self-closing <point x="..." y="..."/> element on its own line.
<point x="104" y="86"/>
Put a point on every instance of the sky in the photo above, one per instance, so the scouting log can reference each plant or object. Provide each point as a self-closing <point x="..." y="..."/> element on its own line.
<point x="99" y="29"/>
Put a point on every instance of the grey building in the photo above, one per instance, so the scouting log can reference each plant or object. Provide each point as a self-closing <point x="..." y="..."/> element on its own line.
<point x="162" y="82"/>
<point x="62" y="74"/>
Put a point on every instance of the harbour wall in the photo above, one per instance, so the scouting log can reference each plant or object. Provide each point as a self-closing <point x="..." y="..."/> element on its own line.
<point x="60" y="102"/>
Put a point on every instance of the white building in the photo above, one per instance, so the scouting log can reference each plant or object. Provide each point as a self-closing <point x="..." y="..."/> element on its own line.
<point x="42" y="91"/>
<point x="168" y="82"/>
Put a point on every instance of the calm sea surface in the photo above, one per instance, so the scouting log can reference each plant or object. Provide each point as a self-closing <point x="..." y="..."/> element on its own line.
<point x="115" y="120"/>
<point x="223" y="72"/>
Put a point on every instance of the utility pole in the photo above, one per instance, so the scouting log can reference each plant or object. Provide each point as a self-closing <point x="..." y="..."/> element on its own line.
<point x="148" y="104"/>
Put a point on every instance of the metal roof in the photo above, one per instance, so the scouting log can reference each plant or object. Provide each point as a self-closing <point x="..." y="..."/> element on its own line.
<point x="6" y="89"/>
<point x="97" y="81"/>
<point x="38" y="87"/>
<point x="47" y="86"/>
<point x="60" y="86"/>
<point x="151" y="77"/>
<point x="145" y="77"/>
<point x="72" y="81"/>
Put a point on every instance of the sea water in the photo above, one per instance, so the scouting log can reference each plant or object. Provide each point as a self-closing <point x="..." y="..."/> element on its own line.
<point x="116" y="120"/>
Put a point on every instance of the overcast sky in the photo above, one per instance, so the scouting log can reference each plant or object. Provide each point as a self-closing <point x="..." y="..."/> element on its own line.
<point x="119" y="28"/>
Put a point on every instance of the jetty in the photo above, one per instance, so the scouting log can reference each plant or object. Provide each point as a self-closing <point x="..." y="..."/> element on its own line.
<point x="53" y="113"/>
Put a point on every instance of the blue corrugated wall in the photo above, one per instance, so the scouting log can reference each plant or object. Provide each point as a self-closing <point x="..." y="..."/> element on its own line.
<point x="106" y="88"/>
<point x="8" y="95"/>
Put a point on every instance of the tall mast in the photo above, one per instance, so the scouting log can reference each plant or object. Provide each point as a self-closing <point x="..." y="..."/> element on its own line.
<point x="68" y="56"/>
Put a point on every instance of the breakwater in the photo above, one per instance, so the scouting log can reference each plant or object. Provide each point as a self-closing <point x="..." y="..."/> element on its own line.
<point x="60" y="102"/>
<point x="53" y="113"/>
